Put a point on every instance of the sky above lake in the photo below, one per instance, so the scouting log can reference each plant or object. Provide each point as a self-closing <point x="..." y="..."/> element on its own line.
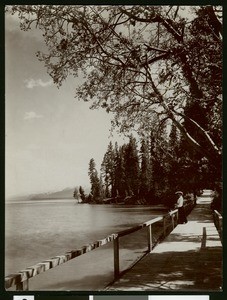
<point x="50" y="135"/>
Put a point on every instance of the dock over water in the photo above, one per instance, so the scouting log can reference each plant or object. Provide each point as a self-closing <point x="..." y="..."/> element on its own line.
<point x="189" y="259"/>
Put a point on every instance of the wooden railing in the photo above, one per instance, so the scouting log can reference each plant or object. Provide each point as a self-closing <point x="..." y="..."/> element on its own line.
<point x="165" y="224"/>
<point x="218" y="222"/>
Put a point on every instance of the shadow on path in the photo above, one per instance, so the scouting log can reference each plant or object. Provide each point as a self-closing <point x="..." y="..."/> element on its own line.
<point x="171" y="270"/>
<point x="189" y="259"/>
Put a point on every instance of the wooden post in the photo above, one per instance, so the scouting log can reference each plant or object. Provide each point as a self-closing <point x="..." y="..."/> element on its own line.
<point x="164" y="226"/>
<point x="116" y="258"/>
<point x="173" y="223"/>
<point x="203" y="244"/>
<point x="220" y="227"/>
<point x="149" y="237"/>
<point x="218" y="222"/>
<point x="177" y="216"/>
<point x="22" y="286"/>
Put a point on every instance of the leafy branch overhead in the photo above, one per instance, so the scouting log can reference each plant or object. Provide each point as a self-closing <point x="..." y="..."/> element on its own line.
<point x="146" y="64"/>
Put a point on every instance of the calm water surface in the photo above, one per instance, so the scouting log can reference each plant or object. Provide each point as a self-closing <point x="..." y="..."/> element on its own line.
<point x="38" y="230"/>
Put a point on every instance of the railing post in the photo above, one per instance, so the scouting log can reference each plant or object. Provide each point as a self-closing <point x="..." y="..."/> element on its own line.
<point x="149" y="237"/>
<point x="221" y="226"/>
<point x="22" y="286"/>
<point x="203" y="244"/>
<point x="177" y="216"/>
<point x="173" y="223"/>
<point x="116" y="258"/>
<point x="218" y="222"/>
<point x="164" y="226"/>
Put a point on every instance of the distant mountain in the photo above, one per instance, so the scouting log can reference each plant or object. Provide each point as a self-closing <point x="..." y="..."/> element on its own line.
<point x="17" y="198"/>
<point x="67" y="193"/>
<point x="64" y="194"/>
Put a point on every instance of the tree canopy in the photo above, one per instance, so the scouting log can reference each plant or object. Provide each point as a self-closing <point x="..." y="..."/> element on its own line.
<point x="146" y="64"/>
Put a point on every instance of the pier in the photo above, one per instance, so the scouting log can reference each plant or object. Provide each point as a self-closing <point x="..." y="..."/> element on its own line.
<point x="189" y="258"/>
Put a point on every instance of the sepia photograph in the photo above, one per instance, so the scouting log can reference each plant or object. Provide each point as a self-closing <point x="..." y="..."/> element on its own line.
<point x="113" y="149"/>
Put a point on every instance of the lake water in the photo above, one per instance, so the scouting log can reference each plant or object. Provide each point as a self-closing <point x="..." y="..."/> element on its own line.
<point x="38" y="230"/>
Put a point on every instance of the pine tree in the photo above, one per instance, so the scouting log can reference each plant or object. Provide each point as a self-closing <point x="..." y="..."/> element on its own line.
<point x="94" y="180"/>
<point x="76" y="194"/>
<point x="145" y="174"/>
<point x="173" y="170"/>
<point x="82" y="194"/>
<point x="115" y="192"/>
<point x="107" y="170"/>
<point x="158" y="164"/>
<point x="101" y="188"/>
<point x="131" y="160"/>
<point x="119" y="174"/>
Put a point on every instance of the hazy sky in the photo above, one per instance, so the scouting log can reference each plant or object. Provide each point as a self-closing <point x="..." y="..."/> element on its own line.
<point x="50" y="135"/>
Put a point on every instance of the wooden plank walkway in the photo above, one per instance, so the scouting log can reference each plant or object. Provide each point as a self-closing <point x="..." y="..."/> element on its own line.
<point x="189" y="259"/>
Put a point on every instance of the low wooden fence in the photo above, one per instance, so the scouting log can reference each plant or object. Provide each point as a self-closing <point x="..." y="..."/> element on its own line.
<point x="218" y="222"/>
<point x="162" y="224"/>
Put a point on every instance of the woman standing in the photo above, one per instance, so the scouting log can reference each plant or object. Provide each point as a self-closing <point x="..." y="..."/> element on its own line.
<point x="180" y="205"/>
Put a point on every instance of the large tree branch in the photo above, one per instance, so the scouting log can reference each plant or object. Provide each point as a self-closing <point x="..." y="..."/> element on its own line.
<point x="195" y="144"/>
<point x="203" y="131"/>
<point x="157" y="18"/>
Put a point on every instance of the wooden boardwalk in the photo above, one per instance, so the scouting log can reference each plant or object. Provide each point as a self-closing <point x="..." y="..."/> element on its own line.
<point x="189" y="259"/>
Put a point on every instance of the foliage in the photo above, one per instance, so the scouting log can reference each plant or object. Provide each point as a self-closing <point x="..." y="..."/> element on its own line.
<point x="107" y="170"/>
<point x="131" y="166"/>
<point x="119" y="172"/>
<point x="152" y="175"/>
<point x="76" y="194"/>
<point x="94" y="179"/>
<point x="145" y="170"/>
<point x="82" y="194"/>
<point x="146" y="64"/>
<point x="158" y="69"/>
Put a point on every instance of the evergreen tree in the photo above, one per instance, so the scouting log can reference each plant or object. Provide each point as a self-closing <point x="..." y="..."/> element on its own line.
<point x="82" y="194"/>
<point x="101" y="188"/>
<point x="131" y="161"/>
<point x="120" y="177"/>
<point x="94" y="180"/>
<point x="115" y="192"/>
<point x="76" y="194"/>
<point x="173" y="172"/>
<point x="145" y="174"/>
<point x="159" y="163"/>
<point x="107" y="170"/>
